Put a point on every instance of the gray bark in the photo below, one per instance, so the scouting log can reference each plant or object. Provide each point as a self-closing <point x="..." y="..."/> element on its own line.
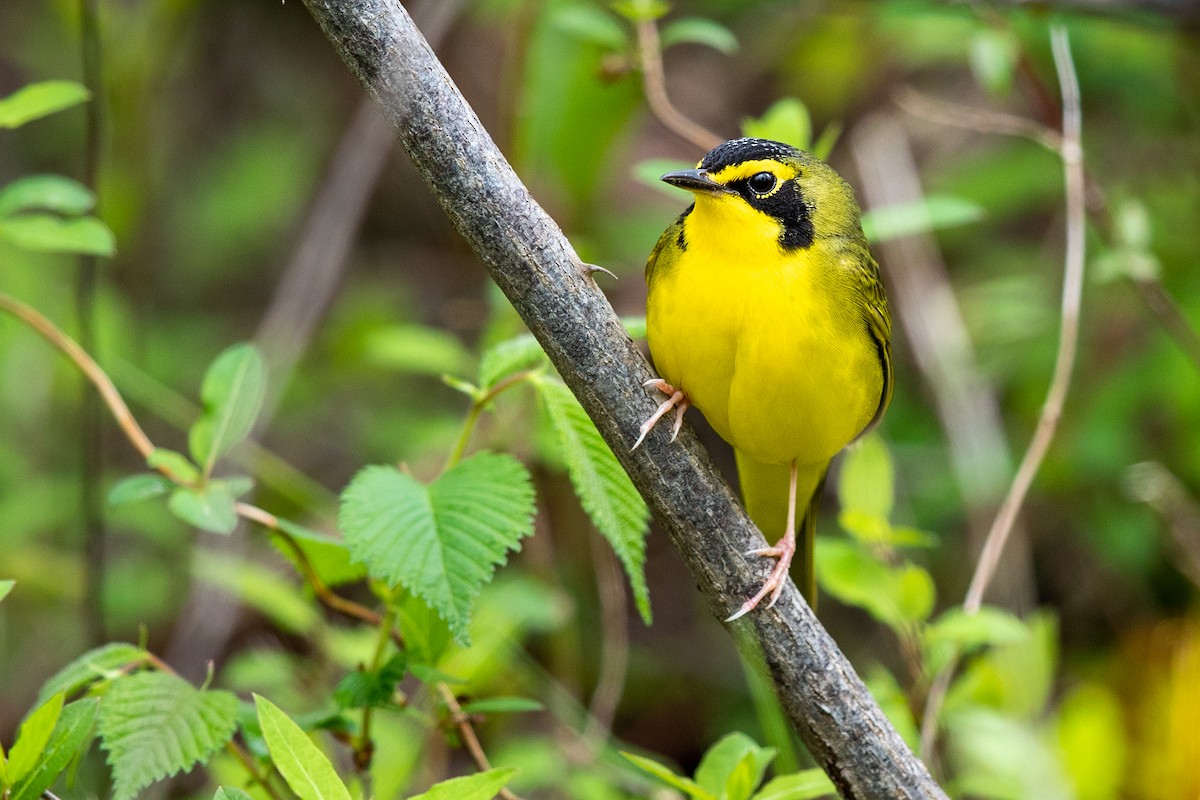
<point x="535" y="266"/>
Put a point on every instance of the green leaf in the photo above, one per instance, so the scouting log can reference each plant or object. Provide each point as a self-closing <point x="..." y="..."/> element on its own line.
<point x="417" y="349"/>
<point x="39" y="100"/>
<point x="734" y="766"/>
<point x="72" y="730"/>
<point x="641" y="10"/>
<point x="667" y="776"/>
<point x="232" y="395"/>
<point x="591" y="24"/>
<point x="276" y="596"/>
<point x="481" y="786"/>
<point x="154" y="724"/>
<point x="231" y="793"/>
<point x="896" y="595"/>
<point x="138" y="487"/>
<point x="509" y="356"/>
<point x="210" y="508"/>
<point x="502" y="705"/>
<point x="305" y="768"/>
<point x="49" y="233"/>
<point x="987" y="626"/>
<point x="174" y="463"/>
<point x="993" y="58"/>
<point x="329" y="557"/>
<point x="651" y="170"/>
<point x="366" y="688"/>
<point x="56" y="193"/>
<point x="787" y="120"/>
<point x="32" y="738"/>
<point x="604" y="489"/>
<point x="695" y="30"/>
<point x="806" y="785"/>
<point x="5" y="588"/>
<point x="442" y="541"/>
<point x="866" y="481"/>
<point x="933" y="212"/>
<point x="102" y="662"/>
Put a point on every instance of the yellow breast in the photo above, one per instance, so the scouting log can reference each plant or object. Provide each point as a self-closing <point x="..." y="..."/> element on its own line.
<point x="772" y="347"/>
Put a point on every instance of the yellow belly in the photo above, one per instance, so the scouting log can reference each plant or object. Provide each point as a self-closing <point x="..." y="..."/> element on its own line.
<point x="778" y="359"/>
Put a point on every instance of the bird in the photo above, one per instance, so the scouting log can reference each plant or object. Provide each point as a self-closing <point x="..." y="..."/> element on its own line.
<point x="766" y="311"/>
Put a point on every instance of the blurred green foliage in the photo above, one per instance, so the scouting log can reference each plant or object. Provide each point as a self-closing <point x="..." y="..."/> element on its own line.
<point x="1079" y="681"/>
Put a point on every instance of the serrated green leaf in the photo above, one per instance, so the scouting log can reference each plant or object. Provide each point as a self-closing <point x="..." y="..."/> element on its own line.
<point x="231" y="793"/>
<point x="138" y="487"/>
<point x="174" y="463"/>
<point x="49" y="233"/>
<point x="366" y="688"/>
<point x="787" y="120"/>
<point x="667" y="776"/>
<point x="591" y="24"/>
<point x="417" y="349"/>
<point x="154" y="724"/>
<point x="866" y="480"/>
<point x="5" y="588"/>
<point x="509" y="356"/>
<point x="442" y="541"/>
<point x="39" y="100"/>
<point x="696" y="30"/>
<point x="933" y="212"/>
<point x="806" y="785"/>
<point x="502" y="705"/>
<point x="32" y="737"/>
<point x="604" y="488"/>
<point x="733" y="766"/>
<point x="55" y="193"/>
<point x="305" y="768"/>
<point x="481" y="786"/>
<point x="71" y="731"/>
<point x="210" y="508"/>
<point x="94" y="664"/>
<point x="232" y="395"/>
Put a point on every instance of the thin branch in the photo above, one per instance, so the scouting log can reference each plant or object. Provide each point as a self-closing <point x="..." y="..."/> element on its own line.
<point x="467" y="733"/>
<point x="1071" y="151"/>
<point x="535" y="266"/>
<point x="655" y="82"/>
<point x="614" y="646"/>
<point x="48" y="331"/>
<point x="1164" y="308"/>
<point x="981" y="120"/>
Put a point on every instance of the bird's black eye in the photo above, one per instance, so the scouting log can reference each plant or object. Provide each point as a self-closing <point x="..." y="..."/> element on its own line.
<point x="761" y="182"/>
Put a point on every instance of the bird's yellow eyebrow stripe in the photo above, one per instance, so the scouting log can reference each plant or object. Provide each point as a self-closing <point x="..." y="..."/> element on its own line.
<point x="735" y="172"/>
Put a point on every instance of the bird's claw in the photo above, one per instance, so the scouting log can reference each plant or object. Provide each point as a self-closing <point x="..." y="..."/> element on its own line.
<point x="675" y="399"/>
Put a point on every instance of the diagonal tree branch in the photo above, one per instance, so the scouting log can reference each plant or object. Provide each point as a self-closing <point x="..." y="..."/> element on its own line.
<point x="535" y="266"/>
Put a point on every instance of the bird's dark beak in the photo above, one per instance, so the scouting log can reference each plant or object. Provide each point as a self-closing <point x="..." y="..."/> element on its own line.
<point x="695" y="180"/>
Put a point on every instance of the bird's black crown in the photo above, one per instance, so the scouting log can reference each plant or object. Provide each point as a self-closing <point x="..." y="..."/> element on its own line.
<point x="737" y="151"/>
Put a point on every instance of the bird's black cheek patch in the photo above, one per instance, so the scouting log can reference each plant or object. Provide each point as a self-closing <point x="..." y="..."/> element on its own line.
<point x="788" y="206"/>
<point x="681" y="239"/>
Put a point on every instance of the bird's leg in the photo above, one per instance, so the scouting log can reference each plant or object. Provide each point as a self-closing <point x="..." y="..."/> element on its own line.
<point x="783" y="550"/>
<point x="676" y="399"/>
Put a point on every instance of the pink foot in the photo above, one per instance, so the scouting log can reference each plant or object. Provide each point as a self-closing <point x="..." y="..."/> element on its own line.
<point x="675" y="399"/>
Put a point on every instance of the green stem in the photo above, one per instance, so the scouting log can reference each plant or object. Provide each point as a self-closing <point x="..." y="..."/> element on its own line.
<point x="364" y="749"/>
<point x="476" y="411"/>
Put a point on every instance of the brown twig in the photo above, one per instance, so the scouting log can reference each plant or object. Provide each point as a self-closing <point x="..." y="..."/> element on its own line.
<point x="1071" y="152"/>
<point x="465" y="730"/>
<point x="982" y="120"/>
<point x="65" y="344"/>
<point x="655" y="82"/>
<point x="614" y="652"/>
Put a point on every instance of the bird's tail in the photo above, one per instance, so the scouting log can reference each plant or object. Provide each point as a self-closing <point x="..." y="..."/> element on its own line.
<point x="765" y="493"/>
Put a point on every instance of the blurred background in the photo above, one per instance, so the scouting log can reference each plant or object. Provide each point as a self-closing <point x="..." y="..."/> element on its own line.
<point x="255" y="195"/>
